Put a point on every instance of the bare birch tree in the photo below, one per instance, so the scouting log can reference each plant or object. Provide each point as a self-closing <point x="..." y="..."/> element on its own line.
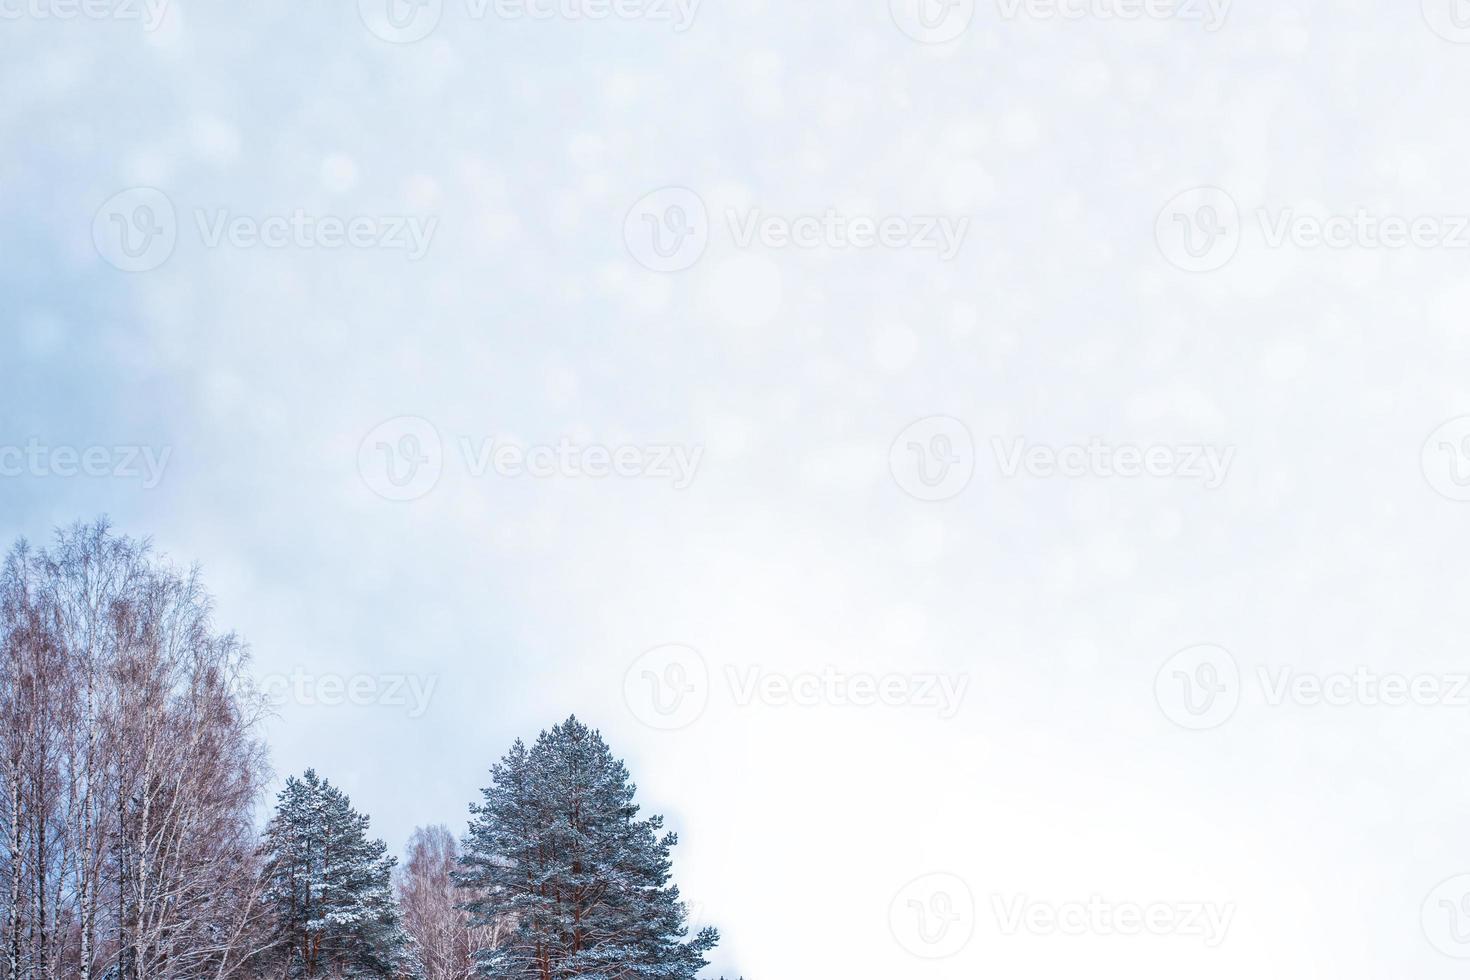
<point x="129" y="769"/>
<point x="443" y="935"/>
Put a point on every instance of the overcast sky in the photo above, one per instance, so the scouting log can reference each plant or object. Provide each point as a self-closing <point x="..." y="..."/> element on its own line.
<point x="851" y="409"/>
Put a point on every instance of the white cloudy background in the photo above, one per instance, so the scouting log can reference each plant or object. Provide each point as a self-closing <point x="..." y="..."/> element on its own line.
<point x="1330" y="545"/>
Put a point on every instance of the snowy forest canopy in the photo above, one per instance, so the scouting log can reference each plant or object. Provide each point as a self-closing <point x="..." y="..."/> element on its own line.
<point x="131" y="766"/>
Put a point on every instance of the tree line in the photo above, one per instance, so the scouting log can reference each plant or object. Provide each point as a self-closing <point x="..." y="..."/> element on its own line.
<point x="131" y="770"/>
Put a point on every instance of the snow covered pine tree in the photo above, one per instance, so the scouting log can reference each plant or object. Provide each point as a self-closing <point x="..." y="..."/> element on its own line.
<point x="329" y="888"/>
<point x="556" y="851"/>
